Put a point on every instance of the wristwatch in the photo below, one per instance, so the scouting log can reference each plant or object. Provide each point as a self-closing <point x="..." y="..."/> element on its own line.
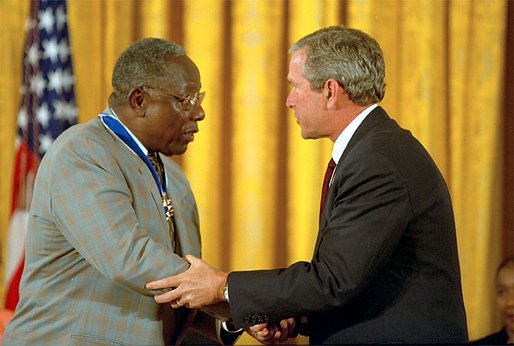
<point x="225" y="292"/>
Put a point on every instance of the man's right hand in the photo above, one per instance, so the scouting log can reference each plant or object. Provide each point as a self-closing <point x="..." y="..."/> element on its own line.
<point x="198" y="286"/>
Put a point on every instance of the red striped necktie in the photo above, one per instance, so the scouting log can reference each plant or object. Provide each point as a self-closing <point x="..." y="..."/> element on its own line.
<point x="326" y="181"/>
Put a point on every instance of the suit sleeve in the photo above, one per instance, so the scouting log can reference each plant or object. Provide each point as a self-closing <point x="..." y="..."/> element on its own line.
<point x="367" y="216"/>
<point x="93" y="206"/>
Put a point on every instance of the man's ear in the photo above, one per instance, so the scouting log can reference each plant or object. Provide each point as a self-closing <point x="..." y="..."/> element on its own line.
<point x="331" y="91"/>
<point x="137" y="101"/>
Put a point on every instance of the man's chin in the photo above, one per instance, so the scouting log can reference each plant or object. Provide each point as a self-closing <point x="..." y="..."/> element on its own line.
<point x="178" y="150"/>
<point x="309" y="136"/>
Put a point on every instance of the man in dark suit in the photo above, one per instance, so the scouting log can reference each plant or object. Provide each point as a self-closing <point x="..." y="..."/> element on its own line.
<point x="385" y="265"/>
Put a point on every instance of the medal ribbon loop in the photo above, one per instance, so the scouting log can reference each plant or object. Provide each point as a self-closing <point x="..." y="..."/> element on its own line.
<point x="119" y="130"/>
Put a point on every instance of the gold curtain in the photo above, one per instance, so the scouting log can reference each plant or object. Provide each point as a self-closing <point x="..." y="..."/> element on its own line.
<point x="256" y="181"/>
<point x="475" y="83"/>
<point x="307" y="160"/>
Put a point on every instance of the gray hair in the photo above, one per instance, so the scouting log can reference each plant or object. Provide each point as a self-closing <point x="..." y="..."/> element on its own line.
<point x="349" y="56"/>
<point x="142" y="64"/>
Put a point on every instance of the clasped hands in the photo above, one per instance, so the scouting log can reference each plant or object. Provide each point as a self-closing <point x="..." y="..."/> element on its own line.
<point x="203" y="285"/>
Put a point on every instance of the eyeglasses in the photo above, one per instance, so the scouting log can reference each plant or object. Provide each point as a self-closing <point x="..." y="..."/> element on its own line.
<point x="186" y="103"/>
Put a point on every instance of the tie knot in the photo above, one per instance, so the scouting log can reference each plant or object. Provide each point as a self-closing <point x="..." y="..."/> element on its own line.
<point x="156" y="163"/>
<point x="154" y="159"/>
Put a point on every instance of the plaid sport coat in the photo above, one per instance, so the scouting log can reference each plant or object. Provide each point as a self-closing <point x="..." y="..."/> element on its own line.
<point x="97" y="234"/>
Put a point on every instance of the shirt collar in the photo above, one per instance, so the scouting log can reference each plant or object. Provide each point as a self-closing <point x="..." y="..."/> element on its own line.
<point x="138" y="142"/>
<point x="344" y="138"/>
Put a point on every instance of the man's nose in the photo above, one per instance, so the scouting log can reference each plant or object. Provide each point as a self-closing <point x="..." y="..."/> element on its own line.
<point x="289" y="101"/>
<point x="198" y="114"/>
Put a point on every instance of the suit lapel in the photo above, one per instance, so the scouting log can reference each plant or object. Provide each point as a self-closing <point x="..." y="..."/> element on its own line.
<point x="374" y="118"/>
<point x="132" y="160"/>
<point x="186" y="218"/>
<point x="185" y="215"/>
<point x="135" y="161"/>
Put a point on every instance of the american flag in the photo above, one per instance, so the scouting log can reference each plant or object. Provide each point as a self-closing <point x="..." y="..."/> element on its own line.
<point x="47" y="109"/>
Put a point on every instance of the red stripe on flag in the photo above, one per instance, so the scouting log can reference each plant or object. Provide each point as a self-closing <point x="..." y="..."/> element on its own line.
<point x="25" y="167"/>
<point x="13" y="295"/>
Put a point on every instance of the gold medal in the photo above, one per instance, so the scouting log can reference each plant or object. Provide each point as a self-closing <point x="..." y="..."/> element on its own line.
<point x="168" y="206"/>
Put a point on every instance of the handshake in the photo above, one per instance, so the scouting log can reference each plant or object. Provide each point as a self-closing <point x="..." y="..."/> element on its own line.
<point x="205" y="288"/>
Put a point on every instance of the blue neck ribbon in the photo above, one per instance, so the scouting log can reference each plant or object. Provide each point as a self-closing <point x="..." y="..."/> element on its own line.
<point x="119" y="130"/>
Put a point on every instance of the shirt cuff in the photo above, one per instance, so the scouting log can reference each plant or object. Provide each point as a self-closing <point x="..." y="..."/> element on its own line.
<point x="228" y="327"/>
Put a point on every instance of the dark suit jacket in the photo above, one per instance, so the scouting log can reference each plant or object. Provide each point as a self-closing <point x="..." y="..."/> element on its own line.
<point x="385" y="265"/>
